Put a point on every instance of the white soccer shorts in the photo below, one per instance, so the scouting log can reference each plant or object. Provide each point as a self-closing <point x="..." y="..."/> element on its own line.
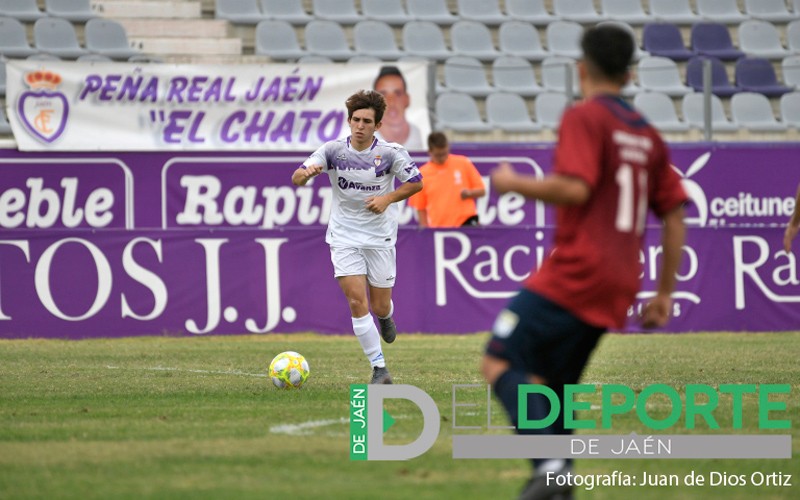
<point x="378" y="264"/>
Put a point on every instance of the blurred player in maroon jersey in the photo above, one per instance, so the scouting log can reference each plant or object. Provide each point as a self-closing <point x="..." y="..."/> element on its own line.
<point x="610" y="167"/>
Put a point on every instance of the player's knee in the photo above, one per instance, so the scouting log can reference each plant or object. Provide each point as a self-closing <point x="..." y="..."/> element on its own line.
<point x="492" y="368"/>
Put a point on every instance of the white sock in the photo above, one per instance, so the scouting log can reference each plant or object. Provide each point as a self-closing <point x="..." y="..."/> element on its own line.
<point x="391" y="311"/>
<point x="370" y="340"/>
<point x="551" y="465"/>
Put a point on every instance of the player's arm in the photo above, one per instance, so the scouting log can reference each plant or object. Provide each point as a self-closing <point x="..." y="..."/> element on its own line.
<point x="422" y="217"/>
<point x="793" y="226"/>
<point x="378" y="204"/>
<point x="673" y="235"/>
<point x="555" y="189"/>
<point x="476" y="189"/>
<point x="302" y="175"/>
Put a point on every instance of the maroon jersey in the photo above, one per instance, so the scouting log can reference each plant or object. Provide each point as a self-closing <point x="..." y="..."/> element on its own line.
<point x="594" y="268"/>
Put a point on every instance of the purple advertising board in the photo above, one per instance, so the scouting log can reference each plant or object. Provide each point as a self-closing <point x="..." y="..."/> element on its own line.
<point x="104" y="245"/>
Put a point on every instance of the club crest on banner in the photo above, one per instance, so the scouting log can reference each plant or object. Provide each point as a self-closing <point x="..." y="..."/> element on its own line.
<point x="43" y="109"/>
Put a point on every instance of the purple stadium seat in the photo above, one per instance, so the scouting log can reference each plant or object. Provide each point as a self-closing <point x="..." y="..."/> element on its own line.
<point x="714" y="39"/>
<point x="720" y="85"/>
<point x="756" y="74"/>
<point x="665" y="40"/>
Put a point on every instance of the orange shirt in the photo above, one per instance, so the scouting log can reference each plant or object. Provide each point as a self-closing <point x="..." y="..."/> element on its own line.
<point x="441" y="191"/>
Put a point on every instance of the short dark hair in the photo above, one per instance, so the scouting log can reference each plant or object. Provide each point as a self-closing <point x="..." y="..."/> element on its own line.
<point x="366" y="99"/>
<point x="437" y="140"/>
<point x="389" y="71"/>
<point x="609" y="50"/>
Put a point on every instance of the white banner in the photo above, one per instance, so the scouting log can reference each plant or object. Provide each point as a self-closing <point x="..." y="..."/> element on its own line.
<point x="71" y="106"/>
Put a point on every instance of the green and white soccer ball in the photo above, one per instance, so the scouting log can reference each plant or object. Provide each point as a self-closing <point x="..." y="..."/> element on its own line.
<point x="289" y="370"/>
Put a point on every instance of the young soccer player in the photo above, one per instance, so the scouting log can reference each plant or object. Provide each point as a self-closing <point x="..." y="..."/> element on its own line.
<point x="362" y="229"/>
<point x="610" y="166"/>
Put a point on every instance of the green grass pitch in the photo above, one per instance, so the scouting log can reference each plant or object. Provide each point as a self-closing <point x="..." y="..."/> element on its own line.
<point x="160" y="417"/>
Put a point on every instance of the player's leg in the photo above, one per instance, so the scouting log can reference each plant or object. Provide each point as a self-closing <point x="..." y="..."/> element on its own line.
<point x="526" y="337"/>
<point x="381" y="277"/>
<point x="350" y="271"/>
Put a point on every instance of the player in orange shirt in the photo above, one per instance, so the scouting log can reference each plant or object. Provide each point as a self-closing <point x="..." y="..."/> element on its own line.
<point x="452" y="183"/>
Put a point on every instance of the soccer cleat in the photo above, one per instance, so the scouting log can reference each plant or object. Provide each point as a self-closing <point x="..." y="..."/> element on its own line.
<point x="388" y="330"/>
<point x="380" y="375"/>
<point x="538" y="489"/>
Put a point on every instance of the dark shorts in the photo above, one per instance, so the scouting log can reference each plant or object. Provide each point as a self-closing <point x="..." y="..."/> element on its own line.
<point x="542" y="338"/>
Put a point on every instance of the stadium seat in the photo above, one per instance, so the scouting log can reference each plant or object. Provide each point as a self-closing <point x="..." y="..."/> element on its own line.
<point x="14" y="39"/>
<point x="673" y="11"/>
<point x="107" y="37"/>
<point x="95" y="58"/>
<point x="74" y="10"/>
<point x="790" y="67"/>
<point x="721" y="11"/>
<point x="626" y="11"/>
<point x="327" y="38"/>
<point x="146" y="59"/>
<point x="340" y="11"/>
<point x="278" y="40"/>
<point x="660" y="74"/>
<point x="529" y="11"/>
<point x="434" y="11"/>
<point x="466" y="74"/>
<point x="659" y="110"/>
<point x="57" y="36"/>
<point x="752" y="111"/>
<point x="564" y="39"/>
<point x="375" y="38"/>
<point x="665" y="40"/>
<point x="5" y="127"/>
<point x="459" y="112"/>
<point x="554" y="74"/>
<point x="579" y="11"/>
<point x="425" y="39"/>
<point x="793" y="36"/>
<point x="693" y="107"/>
<point x="389" y="11"/>
<point x="21" y="10"/>
<point x="508" y="112"/>
<point x="714" y="39"/>
<point x="239" y="11"/>
<point x="43" y="57"/>
<point x="755" y="74"/>
<point x="769" y="10"/>
<point x="720" y="84"/>
<point x="790" y="109"/>
<point x="363" y="59"/>
<point x="761" y="39"/>
<point x="471" y="38"/>
<point x="515" y="74"/>
<point x="549" y="108"/>
<point x="2" y="77"/>
<point x="638" y="52"/>
<point x="521" y="39"/>
<point x="312" y="59"/>
<point x="291" y="11"/>
<point x="483" y="11"/>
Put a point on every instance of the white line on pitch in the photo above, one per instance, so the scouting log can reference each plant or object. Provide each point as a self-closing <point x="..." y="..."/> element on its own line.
<point x="174" y="369"/>
<point x="297" y="429"/>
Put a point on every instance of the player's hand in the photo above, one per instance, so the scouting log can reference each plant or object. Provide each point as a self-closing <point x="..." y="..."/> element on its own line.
<point x="312" y="171"/>
<point x="377" y="204"/>
<point x="503" y="177"/>
<point x="789" y="235"/>
<point x="656" y="312"/>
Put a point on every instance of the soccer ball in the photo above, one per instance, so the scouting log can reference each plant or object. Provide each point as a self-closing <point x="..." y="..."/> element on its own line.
<point x="289" y="370"/>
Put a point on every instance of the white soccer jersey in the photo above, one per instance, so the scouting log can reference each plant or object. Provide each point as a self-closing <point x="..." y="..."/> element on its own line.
<point x="356" y="176"/>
